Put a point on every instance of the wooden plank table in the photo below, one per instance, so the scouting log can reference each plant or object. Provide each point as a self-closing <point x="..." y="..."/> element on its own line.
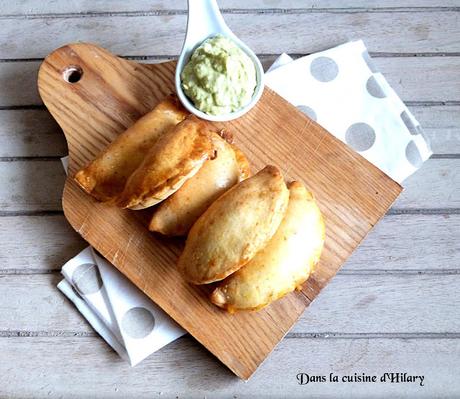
<point x="394" y="307"/>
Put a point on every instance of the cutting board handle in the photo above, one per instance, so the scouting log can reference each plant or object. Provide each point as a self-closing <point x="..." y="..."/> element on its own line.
<point x="80" y="83"/>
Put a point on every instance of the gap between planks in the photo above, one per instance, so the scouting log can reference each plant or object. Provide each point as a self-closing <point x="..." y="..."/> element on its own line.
<point x="263" y="55"/>
<point x="243" y="11"/>
<point x="408" y="103"/>
<point x="58" y="157"/>
<point x="342" y="272"/>
<point x="391" y="212"/>
<point x="318" y="335"/>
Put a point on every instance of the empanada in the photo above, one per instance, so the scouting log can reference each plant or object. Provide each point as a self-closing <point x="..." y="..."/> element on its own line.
<point x="284" y="264"/>
<point x="235" y="227"/>
<point x="176" y="214"/>
<point x="105" y="177"/>
<point x="175" y="157"/>
<point x="243" y="163"/>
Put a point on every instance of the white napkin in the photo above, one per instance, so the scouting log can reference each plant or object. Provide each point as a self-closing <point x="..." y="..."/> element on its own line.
<point x="342" y="91"/>
<point x="122" y="314"/>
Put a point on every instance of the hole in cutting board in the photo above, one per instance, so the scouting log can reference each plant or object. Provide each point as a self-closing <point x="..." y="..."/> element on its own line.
<point x="72" y="74"/>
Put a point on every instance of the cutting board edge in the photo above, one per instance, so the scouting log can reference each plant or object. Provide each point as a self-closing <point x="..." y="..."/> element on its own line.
<point x="78" y="229"/>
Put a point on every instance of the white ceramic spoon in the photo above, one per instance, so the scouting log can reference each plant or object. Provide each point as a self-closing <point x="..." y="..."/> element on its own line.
<point x="204" y="21"/>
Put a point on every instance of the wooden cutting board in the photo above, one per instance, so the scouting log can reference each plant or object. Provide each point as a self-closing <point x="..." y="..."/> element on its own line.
<point x="94" y="96"/>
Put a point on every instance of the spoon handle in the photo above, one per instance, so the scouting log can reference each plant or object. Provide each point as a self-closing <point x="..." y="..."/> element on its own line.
<point x="204" y="20"/>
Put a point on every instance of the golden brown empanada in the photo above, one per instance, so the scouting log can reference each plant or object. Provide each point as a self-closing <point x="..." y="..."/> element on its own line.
<point x="284" y="264"/>
<point x="175" y="157"/>
<point x="105" y="177"/>
<point x="243" y="163"/>
<point x="235" y="227"/>
<point x="176" y="214"/>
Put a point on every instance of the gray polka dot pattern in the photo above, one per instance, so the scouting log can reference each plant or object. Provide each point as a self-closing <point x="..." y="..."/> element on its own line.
<point x="138" y="322"/>
<point x="413" y="129"/>
<point x="413" y="154"/>
<point x="324" y="69"/>
<point x="87" y="279"/>
<point x="367" y="59"/>
<point x="360" y="136"/>
<point x="374" y="89"/>
<point x="310" y="112"/>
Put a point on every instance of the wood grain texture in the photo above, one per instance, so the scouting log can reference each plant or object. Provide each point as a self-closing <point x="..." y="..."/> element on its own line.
<point x="390" y="246"/>
<point x="116" y="92"/>
<point x="42" y="244"/>
<point x="18" y="79"/>
<point x="37" y="244"/>
<point x="266" y="33"/>
<point x="441" y="124"/>
<point x="34" y="133"/>
<point x="436" y="176"/>
<point x="30" y="133"/>
<point x="182" y="370"/>
<point x="36" y="185"/>
<point x="386" y="304"/>
<point x="29" y="186"/>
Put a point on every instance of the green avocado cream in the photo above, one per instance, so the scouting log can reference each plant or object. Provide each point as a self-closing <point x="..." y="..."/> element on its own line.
<point x="220" y="77"/>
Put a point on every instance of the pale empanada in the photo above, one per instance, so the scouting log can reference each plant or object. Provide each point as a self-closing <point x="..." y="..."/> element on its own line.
<point x="105" y="177"/>
<point x="284" y="264"/>
<point x="235" y="227"/>
<point x="176" y="214"/>
<point x="174" y="158"/>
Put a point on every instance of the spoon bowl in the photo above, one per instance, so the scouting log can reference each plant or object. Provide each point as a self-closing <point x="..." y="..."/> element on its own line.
<point x="205" y="21"/>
